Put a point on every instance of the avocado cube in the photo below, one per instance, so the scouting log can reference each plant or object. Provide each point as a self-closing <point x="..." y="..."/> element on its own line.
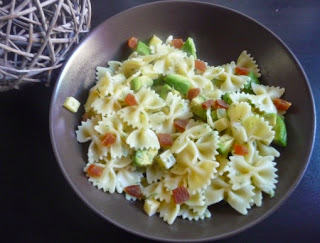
<point x="226" y="98"/>
<point x="247" y="87"/>
<point x="140" y="81"/>
<point x="144" y="157"/>
<point x="154" y="41"/>
<point x="142" y="49"/>
<point x="225" y="144"/>
<point x="158" y="81"/>
<point x="179" y="82"/>
<point x="214" y="115"/>
<point x="280" y="137"/>
<point x="164" y="91"/>
<point x="197" y="109"/>
<point x="189" y="47"/>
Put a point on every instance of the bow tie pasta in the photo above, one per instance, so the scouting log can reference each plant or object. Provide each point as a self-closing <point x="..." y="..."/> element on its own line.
<point x="181" y="135"/>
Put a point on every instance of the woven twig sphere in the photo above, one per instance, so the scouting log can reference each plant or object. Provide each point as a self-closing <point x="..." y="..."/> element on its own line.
<point x="36" y="37"/>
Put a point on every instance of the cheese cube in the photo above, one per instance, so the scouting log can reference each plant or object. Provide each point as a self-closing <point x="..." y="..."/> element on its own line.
<point x="151" y="206"/>
<point x="166" y="159"/>
<point x="72" y="104"/>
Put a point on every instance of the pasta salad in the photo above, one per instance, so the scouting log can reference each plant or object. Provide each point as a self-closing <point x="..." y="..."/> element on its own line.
<point x="179" y="134"/>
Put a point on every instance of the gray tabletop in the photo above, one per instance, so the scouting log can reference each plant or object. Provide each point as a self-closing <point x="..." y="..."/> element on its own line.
<point x="38" y="205"/>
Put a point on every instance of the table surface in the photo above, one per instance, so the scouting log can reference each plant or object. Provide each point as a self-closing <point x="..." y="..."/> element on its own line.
<point x="39" y="205"/>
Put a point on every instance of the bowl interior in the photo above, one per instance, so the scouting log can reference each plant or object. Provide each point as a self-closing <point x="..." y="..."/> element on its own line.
<point x="220" y="35"/>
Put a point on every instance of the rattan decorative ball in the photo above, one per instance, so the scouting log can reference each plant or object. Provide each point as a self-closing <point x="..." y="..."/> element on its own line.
<point x="36" y="37"/>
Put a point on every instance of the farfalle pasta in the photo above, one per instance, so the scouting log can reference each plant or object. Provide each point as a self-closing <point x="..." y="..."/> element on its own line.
<point x="180" y="134"/>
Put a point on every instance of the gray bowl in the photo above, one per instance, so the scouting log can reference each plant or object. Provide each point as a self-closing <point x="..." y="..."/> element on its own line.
<point x="218" y="42"/>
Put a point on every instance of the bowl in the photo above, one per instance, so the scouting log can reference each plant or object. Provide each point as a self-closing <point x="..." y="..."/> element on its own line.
<point x="220" y="35"/>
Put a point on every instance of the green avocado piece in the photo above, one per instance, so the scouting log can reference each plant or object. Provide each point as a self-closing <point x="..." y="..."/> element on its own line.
<point x="196" y="108"/>
<point x="165" y="91"/>
<point x="226" y="98"/>
<point x="271" y="118"/>
<point x="143" y="49"/>
<point x="144" y="157"/>
<point x="214" y="115"/>
<point x="247" y="87"/>
<point x="179" y="82"/>
<point x="140" y="81"/>
<point x="225" y="144"/>
<point x="158" y="81"/>
<point x="158" y="85"/>
<point x="189" y="47"/>
<point x="157" y="88"/>
<point x="280" y="137"/>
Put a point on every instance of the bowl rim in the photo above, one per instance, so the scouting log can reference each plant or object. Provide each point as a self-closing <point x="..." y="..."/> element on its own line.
<point x="224" y="235"/>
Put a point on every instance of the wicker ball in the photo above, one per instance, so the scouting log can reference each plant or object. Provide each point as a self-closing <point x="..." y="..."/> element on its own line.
<point x="36" y="37"/>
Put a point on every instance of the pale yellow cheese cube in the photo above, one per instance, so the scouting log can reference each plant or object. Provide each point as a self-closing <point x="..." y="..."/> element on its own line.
<point x="166" y="159"/>
<point x="72" y="104"/>
<point x="151" y="206"/>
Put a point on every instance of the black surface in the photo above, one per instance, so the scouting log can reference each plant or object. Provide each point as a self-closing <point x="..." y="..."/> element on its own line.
<point x="37" y="203"/>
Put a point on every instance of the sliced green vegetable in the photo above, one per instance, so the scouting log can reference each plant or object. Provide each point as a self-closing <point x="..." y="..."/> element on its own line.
<point x="189" y="47"/>
<point x="254" y="78"/>
<point x="142" y="48"/>
<point x="144" y="157"/>
<point x="225" y="144"/>
<point x="280" y="130"/>
<point x="196" y="108"/>
<point x="140" y="81"/>
<point x="179" y="82"/>
<point x="164" y="91"/>
<point x="214" y="115"/>
<point x="158" y="81"/>
<point x="226" y="98"/>
<point x="247" y="87"/>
